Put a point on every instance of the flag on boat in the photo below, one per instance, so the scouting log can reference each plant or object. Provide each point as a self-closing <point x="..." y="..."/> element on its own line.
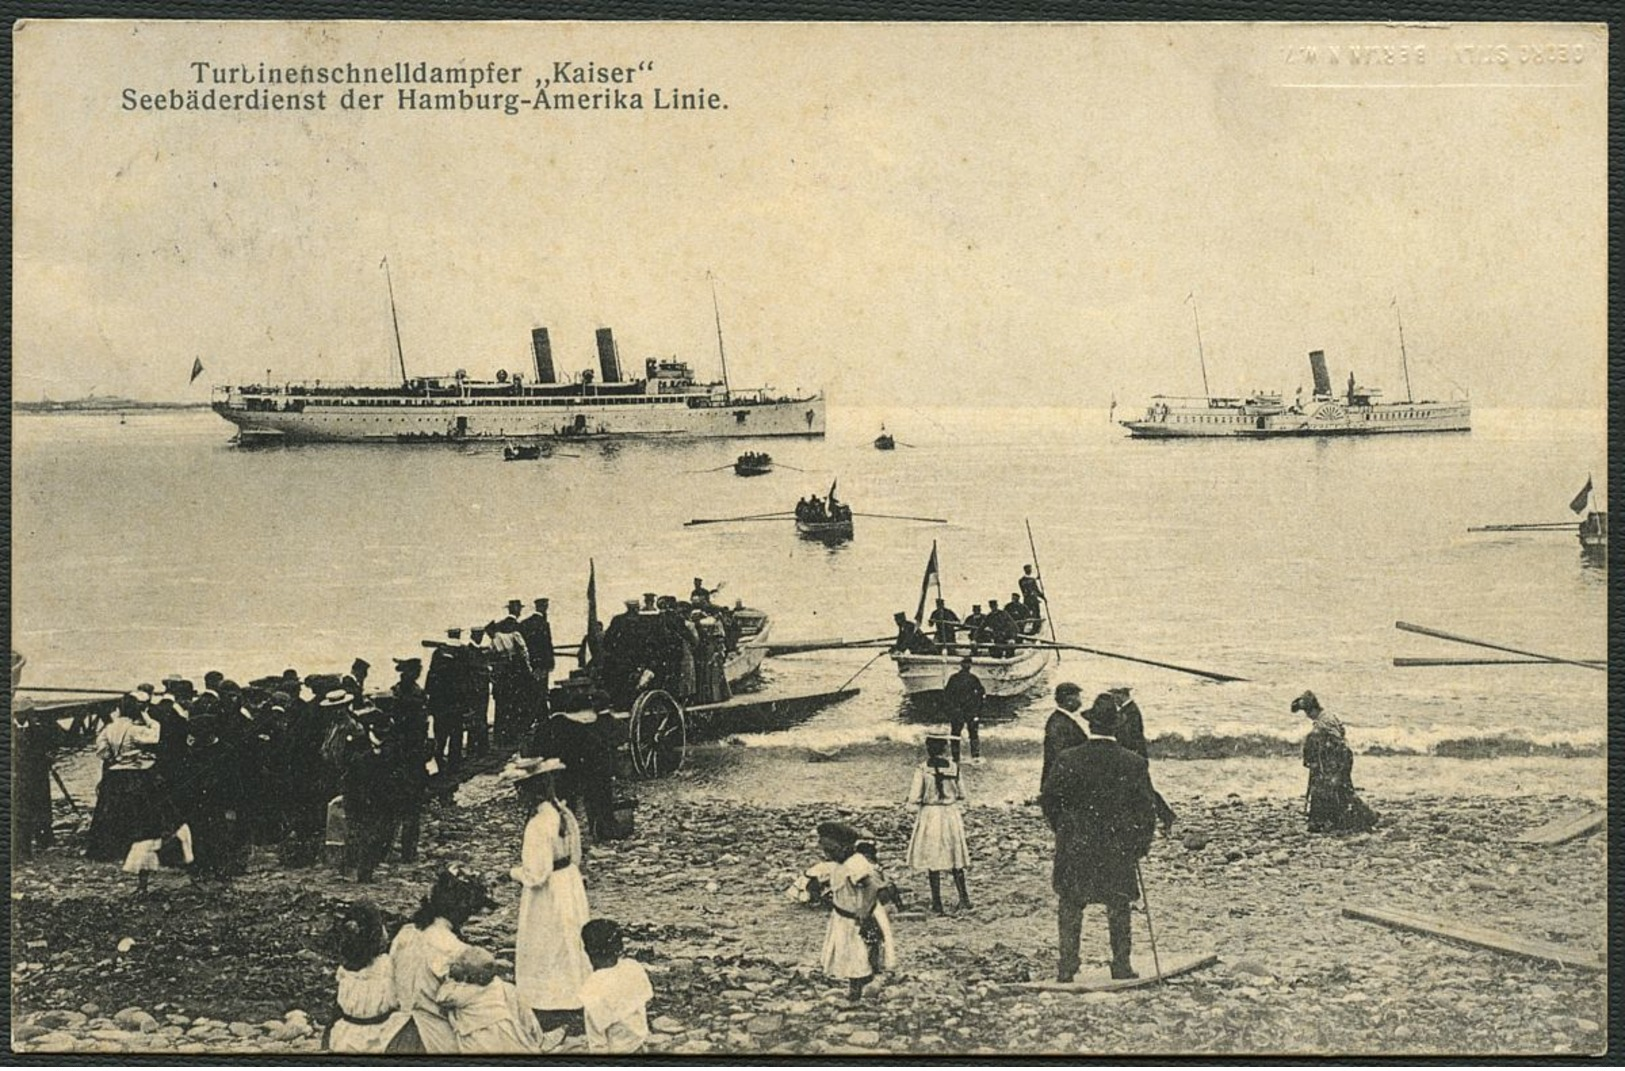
<point x="1579" y="503"/>
<point x="595" y="631"/>
<point x="197" y="370"/>
<point x="932" y="575"/>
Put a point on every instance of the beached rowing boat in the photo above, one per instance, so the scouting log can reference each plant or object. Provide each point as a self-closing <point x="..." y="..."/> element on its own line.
<point x="921" y="673"/>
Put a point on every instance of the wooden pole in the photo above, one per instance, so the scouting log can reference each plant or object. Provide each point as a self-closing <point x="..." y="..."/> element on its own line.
<point x="65" y="691"/>
<point x="900" y="517"/>
<point x="1544" y="526"/>
<point x="1223" y="678"/>
<point x="1436" y="634"/>
<point x="730" y="520"/>
<point x="1409" y="663"/>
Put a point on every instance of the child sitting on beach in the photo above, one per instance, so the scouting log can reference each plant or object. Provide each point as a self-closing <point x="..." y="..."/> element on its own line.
<point x="370" y="1019"/>
<point x="615" y="997"/>
<point x="484" y="1010"/>
<point x="938" y="843"/>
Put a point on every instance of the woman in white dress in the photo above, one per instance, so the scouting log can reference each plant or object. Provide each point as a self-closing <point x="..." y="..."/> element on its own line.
<point x="425" y="948"/>
<point x="550" y="962"/>
<point x="938" y="843"/>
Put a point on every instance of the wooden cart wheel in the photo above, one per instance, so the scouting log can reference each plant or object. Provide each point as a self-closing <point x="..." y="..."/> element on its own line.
<point x="659" y="734"/>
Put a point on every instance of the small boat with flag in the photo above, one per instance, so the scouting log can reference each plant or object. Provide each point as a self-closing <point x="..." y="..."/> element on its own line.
<point x="827" y="520"/>
<point x="1006" y="665"/>
<point x="885" y="440"/>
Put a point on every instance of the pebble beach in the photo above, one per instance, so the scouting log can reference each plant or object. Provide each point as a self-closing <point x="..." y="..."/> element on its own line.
<point x="701" y="890"/>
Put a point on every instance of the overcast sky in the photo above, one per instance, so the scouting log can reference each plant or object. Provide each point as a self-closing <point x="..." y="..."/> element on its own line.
<point x="901" y="215"/>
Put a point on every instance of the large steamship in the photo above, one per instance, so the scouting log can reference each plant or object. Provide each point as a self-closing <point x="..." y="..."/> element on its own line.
<point x="1356" y="411"/>
<point x="667" y="401"/>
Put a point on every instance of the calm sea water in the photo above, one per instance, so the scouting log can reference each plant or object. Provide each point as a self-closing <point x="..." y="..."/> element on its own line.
<point x="155" y="547"/>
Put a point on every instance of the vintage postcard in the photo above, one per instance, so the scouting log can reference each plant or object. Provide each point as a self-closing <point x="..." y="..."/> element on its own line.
<point x="745" y="540"/>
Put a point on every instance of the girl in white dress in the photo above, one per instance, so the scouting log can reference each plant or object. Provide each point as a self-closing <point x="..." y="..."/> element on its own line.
<point x="938" y="843"/>
<point x="854" y="892"/>
<point x="370" y="1019"/>
<point x="425" y="948"/>
<point x="550" y="963"/>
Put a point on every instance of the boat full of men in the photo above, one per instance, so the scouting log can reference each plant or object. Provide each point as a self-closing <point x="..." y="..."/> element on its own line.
<point x="266" y="763"/>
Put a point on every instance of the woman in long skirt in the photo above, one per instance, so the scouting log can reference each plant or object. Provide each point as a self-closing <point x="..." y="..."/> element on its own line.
<point x="550" y="962"/>
<point x="938" y="843"/>
<point x="124" y="807"/>
<point x="1333" y="804"/>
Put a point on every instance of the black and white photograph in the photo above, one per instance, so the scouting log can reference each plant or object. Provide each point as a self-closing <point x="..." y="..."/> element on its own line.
<point x="743" y="541"/>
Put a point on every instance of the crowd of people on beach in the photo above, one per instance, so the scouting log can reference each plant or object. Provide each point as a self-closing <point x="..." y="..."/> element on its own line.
<point x="196" y="778"/>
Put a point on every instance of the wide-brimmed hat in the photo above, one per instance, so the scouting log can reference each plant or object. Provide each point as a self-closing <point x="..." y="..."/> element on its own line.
<point x="522" y="770"/>
<point x="338" y="697"/>
<point x="1306" y="702"/>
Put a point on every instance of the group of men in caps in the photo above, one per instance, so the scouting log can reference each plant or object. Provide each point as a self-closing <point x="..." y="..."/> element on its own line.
<point x="508" y="662"/>
<point x="995" y="631"/>
<point x="680" y="646"/>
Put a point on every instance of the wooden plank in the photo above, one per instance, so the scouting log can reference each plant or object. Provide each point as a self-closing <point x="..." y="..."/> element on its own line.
<point x="1493" y="940"/>
<point x="1101" y="982"/>
<point x="1566" y="828"/>
<point x="750" y="702"/>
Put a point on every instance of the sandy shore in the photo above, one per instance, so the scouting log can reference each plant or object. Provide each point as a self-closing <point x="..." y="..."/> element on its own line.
<point x="700" y="889"/>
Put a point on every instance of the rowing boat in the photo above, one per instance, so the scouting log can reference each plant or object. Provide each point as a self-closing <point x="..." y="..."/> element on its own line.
<point x="921" y="673"/>
<point x="827" y="531"/>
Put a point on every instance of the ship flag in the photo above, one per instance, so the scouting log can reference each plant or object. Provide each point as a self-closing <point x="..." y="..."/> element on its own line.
<point x="832" y="484"/>
<point x="1579" y="503"/>
<point x="595" y="631"/>
<point x="932" y="575"/>
<point x="197" y="370"/>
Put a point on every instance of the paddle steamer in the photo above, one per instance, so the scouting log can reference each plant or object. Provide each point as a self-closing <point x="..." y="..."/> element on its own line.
<point x="1356" y="411"/>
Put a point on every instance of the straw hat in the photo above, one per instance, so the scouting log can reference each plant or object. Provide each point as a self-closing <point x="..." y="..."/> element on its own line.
<point x="522" y="770"/>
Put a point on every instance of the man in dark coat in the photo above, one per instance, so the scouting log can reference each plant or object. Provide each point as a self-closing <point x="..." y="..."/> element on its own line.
<point x="910" y="638"/>
<point x="538" y="633"/>
<point x="944" y="623"/>
<point x="963" y="695"/>
<point x="34" y="740"/>
<point x="1066" y="725"/>
<point x="619" y="651"/>
<point x="1032" y="593"/>
<point x="999" y="631"/>
<point x="1098" y="800"/>
<point x="1131" y="734"/>
<point x="448" y="692"/>
<point x="408" y="749"/>
<point x="588" y="778"/>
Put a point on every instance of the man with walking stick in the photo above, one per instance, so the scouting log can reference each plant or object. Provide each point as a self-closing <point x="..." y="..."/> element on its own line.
<point x="1098" y="800"/>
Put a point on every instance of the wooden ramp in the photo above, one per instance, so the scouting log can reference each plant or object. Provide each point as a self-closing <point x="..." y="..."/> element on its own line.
<point x="1506" y="943"/>
<point x="1101" y="981"/>
<point x="1567" y="828"/>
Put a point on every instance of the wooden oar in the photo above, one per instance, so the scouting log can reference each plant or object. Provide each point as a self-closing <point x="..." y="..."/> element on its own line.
<point x="1555" y="526"/>
<point x="900" y="517"/>
<point x="65" y="691"/>
<point x="719" y="468"/>
<point x="803" y="646"/>
<point x="1221" y="677"/>
<point x="1436" y="634"/>
<point x="1410" y="662"/>
<point x="730" y="520"/>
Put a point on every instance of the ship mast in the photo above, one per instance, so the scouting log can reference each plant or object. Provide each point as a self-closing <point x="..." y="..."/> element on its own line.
<point x="1200" y="356"/>
<point x="727" y="394"/>
<point x="1403" y="362"/>
<point x="400" y="355"/>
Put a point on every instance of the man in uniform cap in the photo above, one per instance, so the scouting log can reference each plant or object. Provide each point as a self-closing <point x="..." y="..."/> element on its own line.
<point x="963" y="695"/>
<point x="448" y="691"/>
<point x="1098" y="800"/>
<point x="538" y="633"/>
<point x="1066" y="726"/>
